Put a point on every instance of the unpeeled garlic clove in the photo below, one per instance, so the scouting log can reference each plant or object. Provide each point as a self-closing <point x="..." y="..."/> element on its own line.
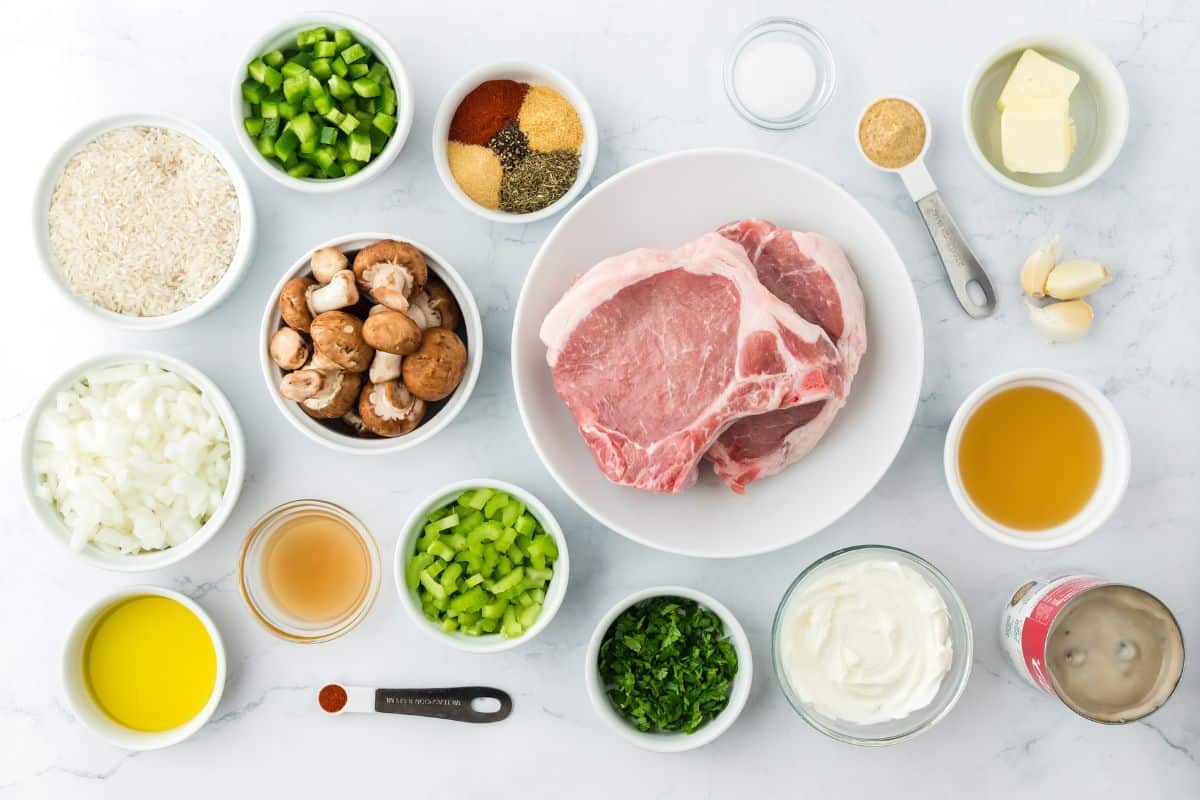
<point x="1076" y="278"/>
<point x="1036" y="269"/>
<point x="1061" y="322"/>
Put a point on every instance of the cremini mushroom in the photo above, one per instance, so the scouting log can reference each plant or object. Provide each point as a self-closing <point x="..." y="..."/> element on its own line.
<point x="339" y="292"/>
<point x="302" y="384"/>
<point x="354" y="422"/>
<point x="338" y="393"/>
<point x="288" y="348"/>
<point x="293" y="304"/>
<point x="391" y="331"/>
<point x="389" y="409"/>
<point x="437" y="367"/>
<point x="391" y="272"/>
<point x="327" y="262"/>
<point x="435" y="307"/>
<point x="338" y="337"/>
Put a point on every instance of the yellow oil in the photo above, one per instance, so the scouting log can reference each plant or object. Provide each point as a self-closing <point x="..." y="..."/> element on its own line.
<point x="150" y="664"/>
<point x="1030" y="458"/>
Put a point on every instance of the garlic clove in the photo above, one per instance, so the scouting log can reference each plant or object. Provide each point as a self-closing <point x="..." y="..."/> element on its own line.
<point x="1036" y="269"/>
<point x="1076" y="278"/>
<point x="1061" y="322"/>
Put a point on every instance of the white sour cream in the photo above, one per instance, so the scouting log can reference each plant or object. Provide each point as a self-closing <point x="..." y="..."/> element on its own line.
<point x="866" y="642"/>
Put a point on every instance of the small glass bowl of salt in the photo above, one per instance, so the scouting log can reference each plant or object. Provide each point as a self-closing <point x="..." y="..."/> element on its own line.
<point x="780" y="73"/>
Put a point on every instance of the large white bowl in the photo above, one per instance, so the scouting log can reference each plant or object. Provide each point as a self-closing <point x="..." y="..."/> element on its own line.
<point x="451" y="406"/>
<point x="672" y="742"/>
<point x="1114" y="468"/>
<point x="79" y="698"/>
<point x="247" y="232"/>
<point x="284" y="35"/>
<point x="493" y="643"/>
<point x="670" y="200"/>
<point x="535" y="75"/>
<point x="157" y="559"/>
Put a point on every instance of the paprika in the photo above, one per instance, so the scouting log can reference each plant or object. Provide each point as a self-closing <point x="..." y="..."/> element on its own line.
<point x="486" y="110"/>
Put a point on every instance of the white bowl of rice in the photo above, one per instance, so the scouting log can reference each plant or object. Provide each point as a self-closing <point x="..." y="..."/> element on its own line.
<point x="144" y="221"/>
<point x="132" y="460"/>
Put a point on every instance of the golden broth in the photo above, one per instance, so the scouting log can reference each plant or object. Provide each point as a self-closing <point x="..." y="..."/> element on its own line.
<point x="317" y="568"/>
<point x="150" y="664"/>
<point x="1030" y="458"/>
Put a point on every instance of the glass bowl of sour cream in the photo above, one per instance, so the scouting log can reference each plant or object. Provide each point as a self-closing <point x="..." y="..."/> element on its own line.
<point x="872" y="645"/>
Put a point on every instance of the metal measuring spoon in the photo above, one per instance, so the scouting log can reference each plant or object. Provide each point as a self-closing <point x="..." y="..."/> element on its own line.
<point x="455" y="704"/>
<point x="962" y="267"/>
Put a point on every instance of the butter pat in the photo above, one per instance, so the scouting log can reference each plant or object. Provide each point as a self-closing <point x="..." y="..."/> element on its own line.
<point x="1037" y="76"/>
<point x="1036" y="135"/>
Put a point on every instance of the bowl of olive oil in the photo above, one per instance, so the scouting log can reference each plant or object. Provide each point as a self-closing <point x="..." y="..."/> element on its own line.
<point x="1037" y="459"/>
<point x="144" y="667"/>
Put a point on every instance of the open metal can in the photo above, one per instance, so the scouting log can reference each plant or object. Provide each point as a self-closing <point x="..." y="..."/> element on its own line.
<point x="1110" y="652"/>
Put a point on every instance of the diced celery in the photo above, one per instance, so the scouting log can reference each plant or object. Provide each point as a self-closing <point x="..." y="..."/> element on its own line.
<point x="525" y="524"/>
<point x="439" y="549"/>
<point x="538" y="577"/>
<point x="497" y="502"/>
<point x="524" y="600"/>
<point x="472" y="600"/>
<point x="449" y="626"/>
<point x="506" y="539"/>
<point x="503" y="566"/>
<point x="473" y="581"/>
<point x="489" y="625"/>
<point x="510" y="580"/>
<point x="529" y="615"/>
<point x="494" y="609"/>
<point x="512" y="512"/>
<point x="450" y="576"/>
<point x="511" y="628"/>
<point x="436" y="568"/>
<point x="412" y="573"/>
<point x="471" y="521"/>
<point x="431" y="584"/>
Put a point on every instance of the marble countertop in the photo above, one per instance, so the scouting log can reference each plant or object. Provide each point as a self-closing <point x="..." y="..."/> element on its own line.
<point x="652" y="71"/>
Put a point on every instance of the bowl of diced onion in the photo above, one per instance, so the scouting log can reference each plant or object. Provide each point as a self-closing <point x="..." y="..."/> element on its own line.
<point x="132" y="460"/>
<point x="481" y="565"/>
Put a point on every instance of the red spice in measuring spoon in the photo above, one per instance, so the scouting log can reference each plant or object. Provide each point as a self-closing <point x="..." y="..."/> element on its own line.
<point x="332" y="698"/>
<point x="486" y="109"/>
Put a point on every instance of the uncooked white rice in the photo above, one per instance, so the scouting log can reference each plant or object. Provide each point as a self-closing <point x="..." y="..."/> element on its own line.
<point x="144" y="221"/>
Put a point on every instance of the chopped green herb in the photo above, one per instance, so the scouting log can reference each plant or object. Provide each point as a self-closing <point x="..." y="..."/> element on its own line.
<point x="667" y="665"/>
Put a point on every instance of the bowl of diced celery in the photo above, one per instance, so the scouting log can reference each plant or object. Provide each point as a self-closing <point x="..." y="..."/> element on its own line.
<point x="482" y="565"/>
<point x="322" y="103"/>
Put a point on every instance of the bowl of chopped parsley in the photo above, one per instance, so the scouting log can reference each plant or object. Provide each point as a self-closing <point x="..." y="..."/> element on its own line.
<point x="669" y="668"/>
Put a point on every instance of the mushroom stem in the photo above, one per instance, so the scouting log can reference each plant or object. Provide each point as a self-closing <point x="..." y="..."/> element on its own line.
<point x="385" y="367"/>
<point x="340" y="292"/>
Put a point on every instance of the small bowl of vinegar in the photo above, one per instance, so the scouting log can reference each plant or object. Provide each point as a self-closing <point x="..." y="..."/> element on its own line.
<point x="1037" y="459"/>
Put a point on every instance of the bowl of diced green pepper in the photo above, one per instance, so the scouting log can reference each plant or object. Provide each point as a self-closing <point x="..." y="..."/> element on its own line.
<point x="482" y="565"/>
<point x="322" y="103"/>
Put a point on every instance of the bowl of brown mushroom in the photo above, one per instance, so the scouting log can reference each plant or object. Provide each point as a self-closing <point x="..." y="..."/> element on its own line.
<point x="371" y="344"/>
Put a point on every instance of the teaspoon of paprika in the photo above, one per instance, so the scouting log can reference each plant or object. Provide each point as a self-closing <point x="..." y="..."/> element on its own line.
<point x="476" y="704"/>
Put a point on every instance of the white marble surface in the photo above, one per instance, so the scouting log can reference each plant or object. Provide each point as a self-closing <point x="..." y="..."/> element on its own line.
<point x="653" y="73"/>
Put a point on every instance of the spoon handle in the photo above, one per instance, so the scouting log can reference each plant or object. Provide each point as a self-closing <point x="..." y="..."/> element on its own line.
<point x="962" y="267"/>
<point x="452" y="704"/>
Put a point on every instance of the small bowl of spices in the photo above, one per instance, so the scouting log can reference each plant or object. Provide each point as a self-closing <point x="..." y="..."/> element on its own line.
<point x="514" y="142"/>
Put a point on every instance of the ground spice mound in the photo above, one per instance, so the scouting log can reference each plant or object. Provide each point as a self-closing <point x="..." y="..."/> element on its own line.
<point x="477" y="171"/>
<point x="549" y="121"/>
<point x="892" y="133"/>
<point x="486" y="109"/>
<point x="538" y="180"/>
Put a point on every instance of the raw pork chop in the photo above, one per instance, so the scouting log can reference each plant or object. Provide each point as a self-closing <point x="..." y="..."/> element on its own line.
<point x="812" y="275"/>
<point x="656" y="352"/>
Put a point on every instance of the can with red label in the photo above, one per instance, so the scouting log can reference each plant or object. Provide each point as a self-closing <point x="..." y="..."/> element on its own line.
<point x="1111" y="652"/>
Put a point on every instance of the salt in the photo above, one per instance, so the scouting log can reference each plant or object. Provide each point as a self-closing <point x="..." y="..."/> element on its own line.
<point x="774" y="79"/>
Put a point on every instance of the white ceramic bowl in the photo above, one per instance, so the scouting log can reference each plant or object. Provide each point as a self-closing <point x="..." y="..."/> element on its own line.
<point x="284" y="35"/>
<point x="1099" y="107"/>
<point x="157" y="559"/>
<point x="1114" y="473"/>
<point x="535" y="75"/>
<point x="241" y="255"/>
<point x="80" y="701"/>
<point x="663" y="203"/>
<point x="450" y="407"/>
<point x="493" y="643"/>
<point x="671" y="742"/>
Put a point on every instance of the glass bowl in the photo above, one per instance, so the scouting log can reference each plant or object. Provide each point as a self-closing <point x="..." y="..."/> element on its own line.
<point x="792" y="30"/>
<point x="953" y="683"/>
<point x="258" y="597"/>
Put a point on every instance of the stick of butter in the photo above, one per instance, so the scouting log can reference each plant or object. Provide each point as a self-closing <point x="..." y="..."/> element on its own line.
<point x="1037" y="76"/>
<point x="1036" y="134"/>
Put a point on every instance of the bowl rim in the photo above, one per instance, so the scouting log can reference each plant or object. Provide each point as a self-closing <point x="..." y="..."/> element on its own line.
<point x="1110" y="428"/>
<point x="946" y="587"/>
<point x="49" y="518"/>
<point x="138" y="740"/>
<point x="673" y="742"/>
<point x="490" y="643"/>
<point x="556" y="80"/>
<point x="247" y="221"/>
<point x="400" y="80"/>
<point x="455" y="403"/>
<point x="800" y="29"/>
<point x="1110" y="86"/>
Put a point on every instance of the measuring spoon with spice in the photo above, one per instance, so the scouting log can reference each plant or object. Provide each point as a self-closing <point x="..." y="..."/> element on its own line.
<point x="893" y="135"/>
<point x="476" y="704"/>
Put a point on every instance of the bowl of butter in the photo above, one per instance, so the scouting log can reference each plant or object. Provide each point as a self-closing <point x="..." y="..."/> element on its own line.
<point x="1045" y="114"/>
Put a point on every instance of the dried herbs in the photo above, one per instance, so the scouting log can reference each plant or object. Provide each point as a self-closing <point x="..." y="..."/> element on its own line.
<point x="537" y="181"/>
